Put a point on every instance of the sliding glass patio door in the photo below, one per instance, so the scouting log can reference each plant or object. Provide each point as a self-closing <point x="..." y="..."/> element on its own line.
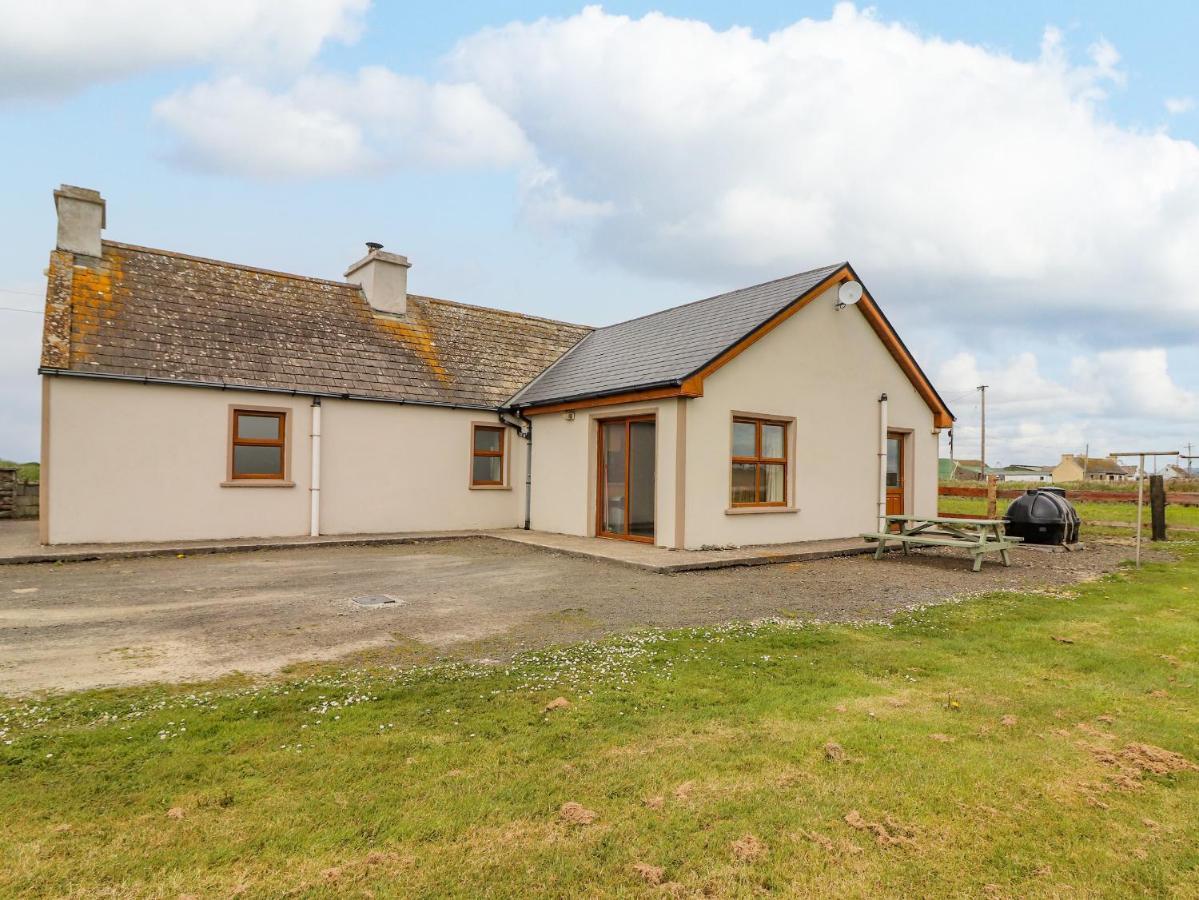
<point x="625" y="495"/>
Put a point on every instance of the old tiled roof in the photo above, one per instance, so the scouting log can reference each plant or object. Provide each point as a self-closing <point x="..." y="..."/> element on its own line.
<point x="665" y="347"/>
<point x="161" y="315"/>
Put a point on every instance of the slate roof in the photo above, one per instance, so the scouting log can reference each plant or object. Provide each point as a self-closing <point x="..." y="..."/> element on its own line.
<point x="167" y="316"/>
<point x="665" y="347"/>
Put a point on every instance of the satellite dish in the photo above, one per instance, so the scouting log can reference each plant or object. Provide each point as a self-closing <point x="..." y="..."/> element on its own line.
<point x="848" y="294"/>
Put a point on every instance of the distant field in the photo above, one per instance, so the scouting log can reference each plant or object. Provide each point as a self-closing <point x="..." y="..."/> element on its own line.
<point x="27" y="472"/>
<point x="1090" y="512"/>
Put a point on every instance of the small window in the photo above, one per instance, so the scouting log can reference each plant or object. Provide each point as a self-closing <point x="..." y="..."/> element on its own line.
<point x="259" y="440"/>
<point x="487" y="456"/>
<point x="759" y="462"/>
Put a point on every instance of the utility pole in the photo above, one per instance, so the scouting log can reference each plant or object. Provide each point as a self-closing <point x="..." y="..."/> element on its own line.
<point x="951" y="444"/>
<point x="1086" y="455"/>
<point x="982" y="389"/>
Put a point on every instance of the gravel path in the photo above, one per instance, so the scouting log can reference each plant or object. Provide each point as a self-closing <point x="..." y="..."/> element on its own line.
<point x="92" y="624"/>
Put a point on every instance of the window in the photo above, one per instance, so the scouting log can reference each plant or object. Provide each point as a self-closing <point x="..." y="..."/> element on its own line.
<point x="487" y="456"/>
<point x="259" y="442"/>
<point x="759" y="462"/>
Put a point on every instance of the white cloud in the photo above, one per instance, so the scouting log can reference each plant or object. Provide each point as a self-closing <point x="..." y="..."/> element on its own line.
<point x="988" y="194"/>
<point x="331" y="125"/>
<point x="54" y="47"/>
<point x="978" y="187"/>
<point x="1112" y="398"/>
<point x="1178" y="105"/>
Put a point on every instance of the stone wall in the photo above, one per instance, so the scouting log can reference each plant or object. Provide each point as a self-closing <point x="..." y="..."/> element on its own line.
<point x="25" y="504"/>
<point x="8" y="492"/>
<point x="17" y="500"/>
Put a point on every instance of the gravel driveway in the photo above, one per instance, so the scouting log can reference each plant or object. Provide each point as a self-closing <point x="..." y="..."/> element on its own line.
<point x="127" y="621"/>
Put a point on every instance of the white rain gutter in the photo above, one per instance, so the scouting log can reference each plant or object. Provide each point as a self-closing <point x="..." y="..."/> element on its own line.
<point x="882" y="463"/>
<point x="314" y="490"/>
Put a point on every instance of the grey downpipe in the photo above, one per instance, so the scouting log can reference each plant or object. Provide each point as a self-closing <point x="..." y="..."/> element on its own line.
<point x="526" y="432"/>
<point x="528" y="473"/>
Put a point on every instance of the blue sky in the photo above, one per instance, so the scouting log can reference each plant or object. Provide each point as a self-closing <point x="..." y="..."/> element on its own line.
<point x="1020" y="200"/>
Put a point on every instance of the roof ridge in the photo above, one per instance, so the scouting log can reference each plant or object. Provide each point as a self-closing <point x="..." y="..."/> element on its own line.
<point x="748" y="287"/>
<point x="504" y="312"/>
<point x="228" y="264"/>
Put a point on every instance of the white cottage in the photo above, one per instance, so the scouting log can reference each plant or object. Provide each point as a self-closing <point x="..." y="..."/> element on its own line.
<point x="189" y="398"/>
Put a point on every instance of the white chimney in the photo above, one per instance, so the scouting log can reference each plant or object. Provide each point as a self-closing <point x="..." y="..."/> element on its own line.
<point x="383" y="277"/>
<point x="80" y="218"/>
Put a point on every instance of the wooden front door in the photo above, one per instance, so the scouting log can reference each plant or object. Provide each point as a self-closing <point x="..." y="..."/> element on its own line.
<point x="625" y="495"/>
<point x="895" y="473"/>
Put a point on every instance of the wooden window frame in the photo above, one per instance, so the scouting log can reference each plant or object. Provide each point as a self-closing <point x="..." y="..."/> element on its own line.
<point x="282" y="442"/>
<point x="758" y="460"/>
<point x="501" y="454"/>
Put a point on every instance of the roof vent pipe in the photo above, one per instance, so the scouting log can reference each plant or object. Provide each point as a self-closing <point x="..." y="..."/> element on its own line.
<point x="383" y="277"/>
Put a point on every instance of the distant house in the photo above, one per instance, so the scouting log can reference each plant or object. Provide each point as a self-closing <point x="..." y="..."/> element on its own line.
<point x="1174" y="472"/>
<point x="960" y="469"/>
<point x="192" y="398"/>
<point x="1098" y="468"/>
<point x="1023" y="473"/>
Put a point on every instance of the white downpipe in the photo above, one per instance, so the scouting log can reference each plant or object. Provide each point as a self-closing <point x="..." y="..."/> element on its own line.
<point x="882" y="463"/>
<point x="314" y="491"/>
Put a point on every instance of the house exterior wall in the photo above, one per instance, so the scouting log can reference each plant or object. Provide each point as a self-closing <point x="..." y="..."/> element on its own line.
<point x="565" y="476"/>
<point x="826" y="370"/>
<point x="387" y="467"/>
<point x="134" y="462"/>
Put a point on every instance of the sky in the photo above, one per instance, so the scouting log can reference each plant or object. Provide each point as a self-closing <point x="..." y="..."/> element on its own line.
<point x="1017" y="184"/>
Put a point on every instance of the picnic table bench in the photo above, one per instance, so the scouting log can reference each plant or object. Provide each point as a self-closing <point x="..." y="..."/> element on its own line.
<point x="979" y="536"/>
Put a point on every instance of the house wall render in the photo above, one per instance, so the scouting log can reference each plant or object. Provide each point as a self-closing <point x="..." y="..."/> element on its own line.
<point x="145" y="462"/>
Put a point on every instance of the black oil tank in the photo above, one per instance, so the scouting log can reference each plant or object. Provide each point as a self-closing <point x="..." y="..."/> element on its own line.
<point x="1043" y="516"/>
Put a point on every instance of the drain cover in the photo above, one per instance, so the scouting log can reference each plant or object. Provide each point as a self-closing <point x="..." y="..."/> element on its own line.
<point x="376" y="601"/>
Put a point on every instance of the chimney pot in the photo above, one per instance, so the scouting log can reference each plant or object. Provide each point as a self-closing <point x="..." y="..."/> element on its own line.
<point x="81" y="214"/>
<point x="383" y="277"/>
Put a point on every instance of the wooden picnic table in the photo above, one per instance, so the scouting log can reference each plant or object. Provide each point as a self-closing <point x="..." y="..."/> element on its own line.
<point x="979" y="536"/>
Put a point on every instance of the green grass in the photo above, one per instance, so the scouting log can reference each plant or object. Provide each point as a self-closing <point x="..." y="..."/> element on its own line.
<point x="1090" y="512"/>
<point x="26" y="472"/>
<point x="448" y="781"/>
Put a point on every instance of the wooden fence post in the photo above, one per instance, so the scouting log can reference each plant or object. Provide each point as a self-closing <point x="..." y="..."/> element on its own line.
<point x="992" y="482"/>
<point x="1157" y="506"/>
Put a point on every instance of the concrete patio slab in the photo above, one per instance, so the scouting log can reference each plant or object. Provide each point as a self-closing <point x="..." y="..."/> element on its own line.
<point x="665" y="562"/>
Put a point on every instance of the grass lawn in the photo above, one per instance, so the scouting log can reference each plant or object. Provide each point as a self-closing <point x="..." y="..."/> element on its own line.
<point x="1090" y="512"/>
<point x="1010" y="745"/>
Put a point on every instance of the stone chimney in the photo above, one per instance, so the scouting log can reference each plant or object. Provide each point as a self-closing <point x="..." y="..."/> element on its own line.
<point x="383" y="277"/>
<point x="80" y="219"/>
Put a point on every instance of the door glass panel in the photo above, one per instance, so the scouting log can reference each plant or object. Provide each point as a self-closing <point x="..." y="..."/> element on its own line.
<point x="770" y="484"/>
<point x="772" y="441"/>
<point x="487" y="439"/>
<point x="745" y="437"/>
<point x="486" y="470"/>
<point x="614" y="486"/>
<point x="258" y="428"/>
<point x="251" y="460"/>
<point x="744" y="482"/>
<point x="893" y="473"/>
<point x="641" y="479"/>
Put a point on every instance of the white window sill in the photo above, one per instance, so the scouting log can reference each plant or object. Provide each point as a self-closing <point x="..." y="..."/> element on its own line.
<point x="760" y="510"/>
<point x="258" y="483"/>
<point x="491" y="487"/>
